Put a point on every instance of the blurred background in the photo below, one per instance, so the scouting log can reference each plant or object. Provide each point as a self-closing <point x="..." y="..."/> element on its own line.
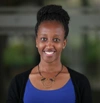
<point x="17" y="40"/>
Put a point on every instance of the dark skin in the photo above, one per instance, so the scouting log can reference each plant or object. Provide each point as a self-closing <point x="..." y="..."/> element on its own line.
<point x="50" y="43"/>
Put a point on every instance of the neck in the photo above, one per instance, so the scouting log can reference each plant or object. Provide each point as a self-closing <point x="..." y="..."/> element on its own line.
<point x="50" y="67"/>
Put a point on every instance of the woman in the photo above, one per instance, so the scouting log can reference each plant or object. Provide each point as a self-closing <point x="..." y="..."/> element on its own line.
<point x="50" y="81"/>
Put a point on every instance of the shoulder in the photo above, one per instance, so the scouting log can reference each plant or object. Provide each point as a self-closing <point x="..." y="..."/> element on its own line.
<point x="17" y="86"/>
<point x="20" y="79"/>
<point x="78" y="77"/>
<point x="22" y="76"/>
<point x="81" y="85"/>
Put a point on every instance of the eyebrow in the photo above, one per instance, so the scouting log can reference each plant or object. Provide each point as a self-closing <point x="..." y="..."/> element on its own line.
<point x="47" y="34"/>
<point x="44" y="34"/>
<point x="57" y="35"/>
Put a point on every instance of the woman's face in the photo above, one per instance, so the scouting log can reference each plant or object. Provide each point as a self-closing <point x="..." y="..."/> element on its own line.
<point x="50" y="40"/>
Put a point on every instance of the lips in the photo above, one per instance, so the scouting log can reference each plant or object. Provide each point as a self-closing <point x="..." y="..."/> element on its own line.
<point x="49" y="53"/>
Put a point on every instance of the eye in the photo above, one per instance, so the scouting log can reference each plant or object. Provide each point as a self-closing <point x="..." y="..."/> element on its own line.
<point x="56" y="40"/>
<point x="43" y="39"/>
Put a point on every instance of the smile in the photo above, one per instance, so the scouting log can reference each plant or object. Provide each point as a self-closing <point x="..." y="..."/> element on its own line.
<point x="49" y="53"/>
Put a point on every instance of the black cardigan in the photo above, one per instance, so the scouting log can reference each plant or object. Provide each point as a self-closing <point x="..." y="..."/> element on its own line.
<point x="80" y="82"/>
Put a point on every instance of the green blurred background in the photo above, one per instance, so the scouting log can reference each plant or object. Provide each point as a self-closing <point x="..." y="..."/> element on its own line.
<point x="17" y="40"/>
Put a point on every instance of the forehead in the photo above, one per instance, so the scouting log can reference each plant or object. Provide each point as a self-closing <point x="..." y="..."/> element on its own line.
<point x="51" y="22"/>
<point x="51" y="26"/>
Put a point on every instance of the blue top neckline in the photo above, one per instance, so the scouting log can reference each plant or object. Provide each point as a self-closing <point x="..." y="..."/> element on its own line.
<point x="50" y="90"/>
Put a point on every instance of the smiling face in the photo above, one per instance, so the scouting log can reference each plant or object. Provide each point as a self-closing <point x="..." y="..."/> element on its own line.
<point x="50" y="41"/>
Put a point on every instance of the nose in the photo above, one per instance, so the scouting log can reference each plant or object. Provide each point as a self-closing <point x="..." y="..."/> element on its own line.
<point x="49" y="44"/>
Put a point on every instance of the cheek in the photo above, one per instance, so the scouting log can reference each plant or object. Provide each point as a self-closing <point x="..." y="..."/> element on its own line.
<point x="40" y="46"/>
<point x="60" y="47"/>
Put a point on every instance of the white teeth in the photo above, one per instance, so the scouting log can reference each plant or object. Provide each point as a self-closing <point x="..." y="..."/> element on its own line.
<point x="49" y="53"/>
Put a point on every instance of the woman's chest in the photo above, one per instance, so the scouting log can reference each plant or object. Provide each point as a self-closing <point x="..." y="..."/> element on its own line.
<point x="64" y="94"/>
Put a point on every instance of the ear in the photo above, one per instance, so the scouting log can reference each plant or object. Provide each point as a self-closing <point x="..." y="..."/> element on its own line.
<point x="64" y="43"/>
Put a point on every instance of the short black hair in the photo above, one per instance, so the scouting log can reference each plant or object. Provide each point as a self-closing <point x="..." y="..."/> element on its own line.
<point x="53" y="12"/>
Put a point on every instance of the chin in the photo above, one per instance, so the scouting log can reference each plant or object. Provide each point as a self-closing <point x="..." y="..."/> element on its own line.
<point x="49" y="60"/>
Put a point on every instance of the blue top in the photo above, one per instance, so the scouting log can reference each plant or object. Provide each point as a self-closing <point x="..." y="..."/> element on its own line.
<point x="65" y="94"/>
